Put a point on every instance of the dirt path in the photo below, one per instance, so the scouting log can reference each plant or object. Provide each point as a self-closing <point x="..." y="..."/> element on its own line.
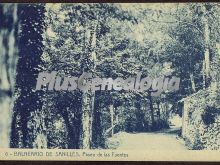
<point x="165" y="140"/>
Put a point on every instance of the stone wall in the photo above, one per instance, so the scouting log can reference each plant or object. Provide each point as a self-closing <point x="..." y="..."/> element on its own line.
<point x="201" y="120"/>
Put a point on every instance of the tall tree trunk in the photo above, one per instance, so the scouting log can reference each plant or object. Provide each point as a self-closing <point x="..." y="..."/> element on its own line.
<point x="8" y="62"/>
<point x="206" y="37"/>
<point x="97" y="133"/>
<point x="71" y="129"/>
<point x="192" y="82"/>
<point x="27" y="102"/>
<point x="215" y="73"/>
<point x="88" y="98"/>
<point x="158" y="109"/>
<point x="151" y="109"/>
<point x="203" y="75"/>
<point x="86" y="131"/>
<point x="207" y="42"/>
<point x="111" y="108"/>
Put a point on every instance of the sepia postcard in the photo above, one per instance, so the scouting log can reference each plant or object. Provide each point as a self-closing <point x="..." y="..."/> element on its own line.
<point x="110" y="81"/>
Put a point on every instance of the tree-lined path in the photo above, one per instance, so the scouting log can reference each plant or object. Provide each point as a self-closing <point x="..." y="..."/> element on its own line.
<point x="142" y="61"/>
<point x="151" y="141"/>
